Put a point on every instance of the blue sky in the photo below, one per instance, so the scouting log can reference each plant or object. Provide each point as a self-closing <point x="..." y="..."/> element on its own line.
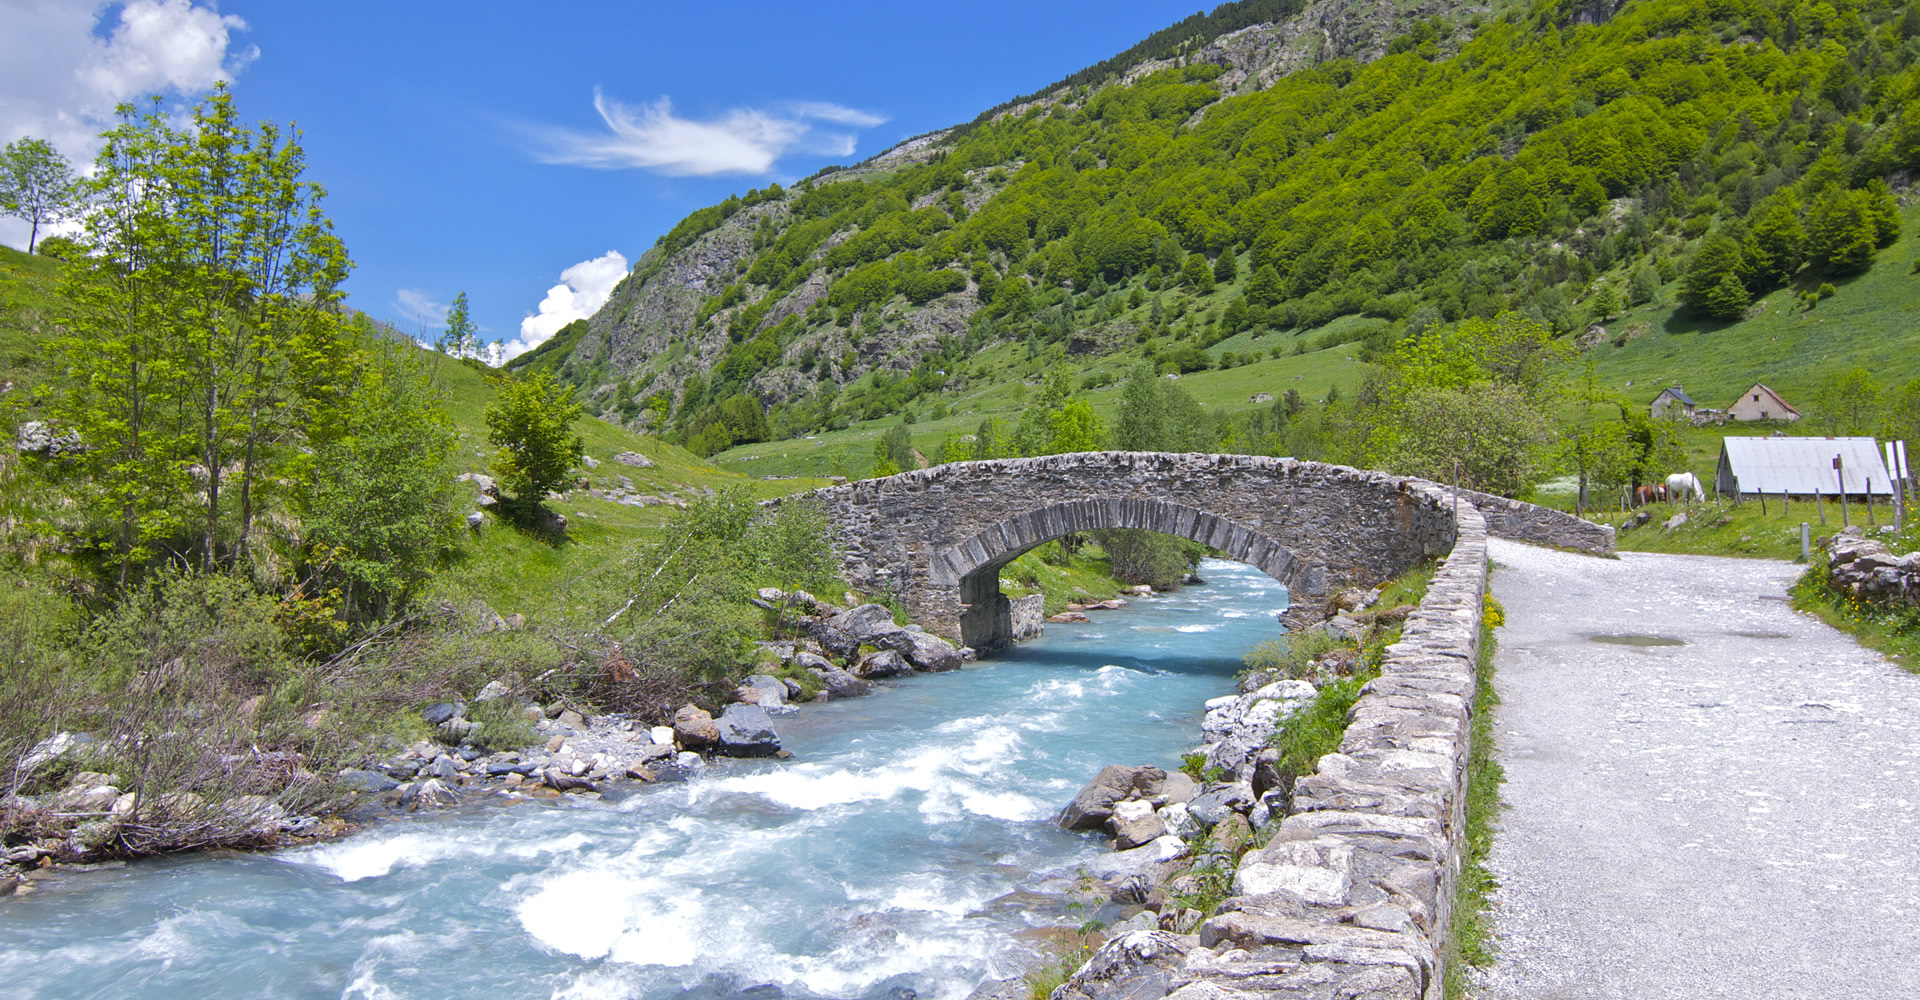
<point x="492" y="147"/>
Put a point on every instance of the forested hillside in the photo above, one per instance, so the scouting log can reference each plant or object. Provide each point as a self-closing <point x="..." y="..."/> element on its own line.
<point x="1565" y="162"/>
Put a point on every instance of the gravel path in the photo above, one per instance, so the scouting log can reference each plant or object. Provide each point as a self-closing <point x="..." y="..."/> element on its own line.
<point x="1733" y="817"/>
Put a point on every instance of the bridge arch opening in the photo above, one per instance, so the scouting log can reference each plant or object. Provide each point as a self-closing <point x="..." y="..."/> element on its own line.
<point x="973" y="565"/>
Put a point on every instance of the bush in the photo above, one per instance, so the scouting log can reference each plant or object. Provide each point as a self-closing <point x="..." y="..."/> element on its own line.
<point x="1149" y="557"/>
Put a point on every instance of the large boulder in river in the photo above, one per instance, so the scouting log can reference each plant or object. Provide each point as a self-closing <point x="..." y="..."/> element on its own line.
<point x="693" y="727"/>
<point x="841" y="684"/>
<point x="928" y="653"/>
<point x="885" y="663"/>
<point x="746" y="731"/>
<point x="1093" y="805"/>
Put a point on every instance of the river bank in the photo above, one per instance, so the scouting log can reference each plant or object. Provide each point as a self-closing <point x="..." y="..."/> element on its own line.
<point x="912" y="831"/>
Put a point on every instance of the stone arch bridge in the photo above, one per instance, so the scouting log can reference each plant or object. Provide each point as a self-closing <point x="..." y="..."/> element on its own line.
<point x="938" y="537"/>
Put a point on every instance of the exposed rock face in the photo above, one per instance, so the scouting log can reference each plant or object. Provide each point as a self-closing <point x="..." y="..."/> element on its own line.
<point x="1134" y="823"/>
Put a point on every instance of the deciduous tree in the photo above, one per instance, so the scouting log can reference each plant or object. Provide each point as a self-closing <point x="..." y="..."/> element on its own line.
<point x="36" y="185"/>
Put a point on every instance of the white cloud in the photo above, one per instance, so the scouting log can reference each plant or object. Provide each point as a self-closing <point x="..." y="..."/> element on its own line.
<point x="740" y="141"/>
<point x="65" y="64"/>
<point x="582" y="290"/>
<point x="416" y="306"/>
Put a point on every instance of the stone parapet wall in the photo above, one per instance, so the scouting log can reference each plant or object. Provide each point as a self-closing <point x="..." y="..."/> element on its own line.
<point x="1353" y="894"/>
<point x="1519" y="521"/>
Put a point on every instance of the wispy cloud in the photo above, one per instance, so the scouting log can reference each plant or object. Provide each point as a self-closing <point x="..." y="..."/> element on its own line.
<point x="582" y="290"/>
<point x="651" y="136"/>
<point x="416" y="306"/>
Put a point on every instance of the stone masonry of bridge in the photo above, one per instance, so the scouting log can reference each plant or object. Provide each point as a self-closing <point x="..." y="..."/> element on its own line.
<point x="937" y="538"/>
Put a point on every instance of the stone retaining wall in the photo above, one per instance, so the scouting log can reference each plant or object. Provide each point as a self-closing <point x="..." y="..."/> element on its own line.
<point x="1352" y="895"/>
<point x="1865" y="567"/>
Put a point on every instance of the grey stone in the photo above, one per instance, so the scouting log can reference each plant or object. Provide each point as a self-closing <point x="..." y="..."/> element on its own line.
<point x="882" y="663"/>
<point x="442" y="712"/>
<point x="1135" y="965"/>
<point x="938" y="537"/>
<point x="924" y="652"/>
<point x="841" y="684"/>
<point x="494" y="691"/>
<point x="1093" y="805"/>
<point x="1028" y="617"/>
<point x="432" y="794"/>
<point x="634" y="459"/>
<point x="1134" y="823"/>
<point x="769" y="693"/>
<point x="809" y="660"/>
<point x="746" y="731"/>
<point x="1213" y="805"/>
<point x="365" y="781"/>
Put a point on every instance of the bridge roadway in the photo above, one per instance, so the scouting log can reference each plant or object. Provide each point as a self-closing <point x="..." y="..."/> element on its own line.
<point x="1734" y="817"/>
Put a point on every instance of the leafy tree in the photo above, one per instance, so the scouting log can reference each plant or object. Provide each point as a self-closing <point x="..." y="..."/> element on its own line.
<point x="1644" y="286"/>
<point x="1489" y="431"/>
<point x="36" y="185"/>
<point x="530" y="422"/>
<point x="1712" y="286"/>
<point x="207" y="333"/>
<point x="1849" y="402"/>
<point x="1226" y="267"/>
<point x="1776" y="242"/>
<point x="896" y="446"/>
<point x="1605" y="304"/>
<point x="376" y="509"/>
<point x="1075" y="428"/>
<point x="461" y="338"/>
<point x="1160" y="561"/>
<point x="1846" y="227"/>
<point x="1197" y="274"/>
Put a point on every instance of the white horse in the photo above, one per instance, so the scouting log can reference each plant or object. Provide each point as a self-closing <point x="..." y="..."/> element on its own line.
<point x="1682" y="483"/>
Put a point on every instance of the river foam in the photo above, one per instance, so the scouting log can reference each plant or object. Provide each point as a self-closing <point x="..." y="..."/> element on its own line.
<point x="879" y="859"/>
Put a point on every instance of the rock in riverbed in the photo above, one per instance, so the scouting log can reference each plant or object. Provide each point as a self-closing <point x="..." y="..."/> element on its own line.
<point x="746" y="731"/>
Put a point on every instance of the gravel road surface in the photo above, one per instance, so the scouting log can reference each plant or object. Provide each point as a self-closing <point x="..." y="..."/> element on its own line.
<point x="1731" y="816"/>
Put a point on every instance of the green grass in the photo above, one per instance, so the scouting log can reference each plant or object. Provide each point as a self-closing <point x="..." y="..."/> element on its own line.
<point x="1725" y="528"/>
<point x="1869" y="323"/>
<point x="1471" y="939"/>
<point x="1891" y="628"/>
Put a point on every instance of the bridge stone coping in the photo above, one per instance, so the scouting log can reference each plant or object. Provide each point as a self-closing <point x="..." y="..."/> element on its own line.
<point x="937" y="538"/>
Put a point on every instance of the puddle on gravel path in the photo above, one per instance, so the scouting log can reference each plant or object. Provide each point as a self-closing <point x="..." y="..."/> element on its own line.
<point x="1636" y="640"/>
<point x="1761" y="635"/>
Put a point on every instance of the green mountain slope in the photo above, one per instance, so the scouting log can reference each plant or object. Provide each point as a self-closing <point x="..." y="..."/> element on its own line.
<point x="1254" y="191"/>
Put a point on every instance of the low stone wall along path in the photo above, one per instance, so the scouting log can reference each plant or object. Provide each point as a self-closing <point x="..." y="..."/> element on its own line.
<point x="1735" y="816"/>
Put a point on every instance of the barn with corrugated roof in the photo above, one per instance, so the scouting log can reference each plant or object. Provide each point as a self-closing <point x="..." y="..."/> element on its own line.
<point x="1801" y="466"/>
